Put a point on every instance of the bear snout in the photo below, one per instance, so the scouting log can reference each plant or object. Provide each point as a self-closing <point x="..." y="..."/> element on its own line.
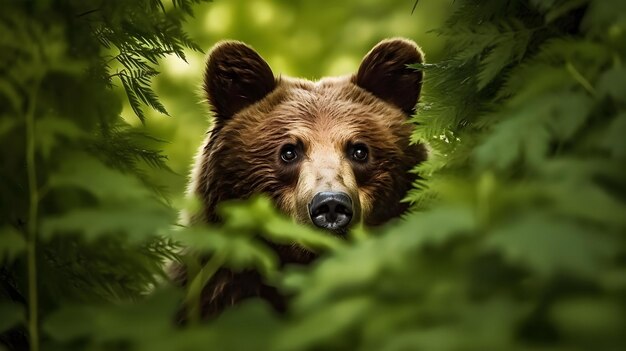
<point x="331" y="210"/>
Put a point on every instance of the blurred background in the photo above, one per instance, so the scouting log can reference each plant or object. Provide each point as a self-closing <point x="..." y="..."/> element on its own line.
<point x="307" y="39"/>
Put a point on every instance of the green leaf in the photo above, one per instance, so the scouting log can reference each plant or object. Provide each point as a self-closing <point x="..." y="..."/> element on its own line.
<point x="545" y="80"/>
<point x="611" y="83"/>
<point x="460" y="331"/>
<point x="11" y="314"/>
<point x="87" y="173"/>
<point x="602" y="14"/>
<point x="344" y="314"/>
<point x="240" y="251"/>
<point x="563" y="9"/>
<point x="254" y="316"/>
<point x="11" y="93"/>
<point x="379" y="256"/>
<point x="50" y="130"/>
<point x="543" y="4"/>
<point x="137" y="322"/>
<point x="526" y="131"/>
<point x="614" y="140"/>
<point x="133" y="100"/>
<point x="55" y="53"/>
<point x="549" y="245"/>
<point x="6" y="125"/>
<point x="572" y="187"/>
<point x="285" y="231"/>
<point x="260" y="213"/>
<point x="493" y="62"/>
<point x="137" y="86"/>
<point x="444" y="223"/>
<point x="12" y="244"/>
<point x="588" y="318"/>
<point x="137" y="221"/>
<point x="589" y="202"/>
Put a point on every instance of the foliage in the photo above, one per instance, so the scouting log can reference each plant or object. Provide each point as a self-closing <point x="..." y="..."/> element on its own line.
<point x="516" y="240"/>
<point x="79" y="214"/>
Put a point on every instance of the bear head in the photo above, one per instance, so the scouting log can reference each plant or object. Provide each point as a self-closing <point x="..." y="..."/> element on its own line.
<point x="330" y="153"/>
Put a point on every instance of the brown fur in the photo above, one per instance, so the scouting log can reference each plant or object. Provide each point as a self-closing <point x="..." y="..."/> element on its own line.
<point x="257" y="114"/>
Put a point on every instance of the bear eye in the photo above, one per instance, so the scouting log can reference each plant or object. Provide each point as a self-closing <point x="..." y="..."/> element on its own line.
<point x="359" y="152"/>
<point x="288" y="153"/>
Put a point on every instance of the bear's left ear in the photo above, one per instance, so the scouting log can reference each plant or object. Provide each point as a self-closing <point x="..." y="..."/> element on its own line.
<point x="235" y="77"/>
<point x="384" y="73"/>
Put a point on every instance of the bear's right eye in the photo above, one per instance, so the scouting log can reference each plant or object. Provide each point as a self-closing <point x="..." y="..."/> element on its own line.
<point x="288" y="153"/>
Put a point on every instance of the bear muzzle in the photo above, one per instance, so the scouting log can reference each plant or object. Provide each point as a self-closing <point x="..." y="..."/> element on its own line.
<point x="331" y="210"/>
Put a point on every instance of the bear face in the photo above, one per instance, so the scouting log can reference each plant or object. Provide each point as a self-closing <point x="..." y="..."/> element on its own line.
<point x="331" y="153"/>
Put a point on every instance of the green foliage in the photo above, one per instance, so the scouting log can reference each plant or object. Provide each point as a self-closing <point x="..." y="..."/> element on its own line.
<point x="81" y="218"/>
<point x="516" y="240"/>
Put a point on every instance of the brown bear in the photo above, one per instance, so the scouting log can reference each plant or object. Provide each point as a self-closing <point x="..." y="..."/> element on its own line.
<point x="330" y="153"/>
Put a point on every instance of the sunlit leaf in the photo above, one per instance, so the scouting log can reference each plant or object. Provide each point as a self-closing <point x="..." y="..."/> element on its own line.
<point x="260" y="213"/>
<point x="239" y="251"/>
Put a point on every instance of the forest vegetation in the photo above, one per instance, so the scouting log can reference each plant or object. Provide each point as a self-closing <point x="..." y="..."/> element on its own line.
<point x="517" y="235"/>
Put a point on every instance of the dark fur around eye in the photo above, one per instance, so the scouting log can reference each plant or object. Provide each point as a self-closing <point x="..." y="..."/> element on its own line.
<point x="288" y="163"/>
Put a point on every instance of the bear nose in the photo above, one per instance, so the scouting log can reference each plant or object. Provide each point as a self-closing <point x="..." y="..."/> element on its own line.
<point x="331" y="210"/>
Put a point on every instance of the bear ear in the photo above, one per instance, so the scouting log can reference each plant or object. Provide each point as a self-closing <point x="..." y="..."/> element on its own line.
<point x="235" y="77"/>
<point x="384" y="73"/>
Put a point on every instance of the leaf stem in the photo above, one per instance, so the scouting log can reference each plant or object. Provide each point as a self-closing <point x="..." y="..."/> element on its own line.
<point x="194" y="294"/>
<point x="31" y="235"/>
<point x="485" y="189"/>
<point x="580" y="78"/>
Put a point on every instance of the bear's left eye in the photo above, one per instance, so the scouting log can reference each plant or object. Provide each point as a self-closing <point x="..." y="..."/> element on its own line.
<point x="288" y="153"/>
<point x="359" y="152"/>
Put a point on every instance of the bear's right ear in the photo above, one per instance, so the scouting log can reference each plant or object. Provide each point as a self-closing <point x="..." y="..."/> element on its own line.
<point x="235" y="77"/>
